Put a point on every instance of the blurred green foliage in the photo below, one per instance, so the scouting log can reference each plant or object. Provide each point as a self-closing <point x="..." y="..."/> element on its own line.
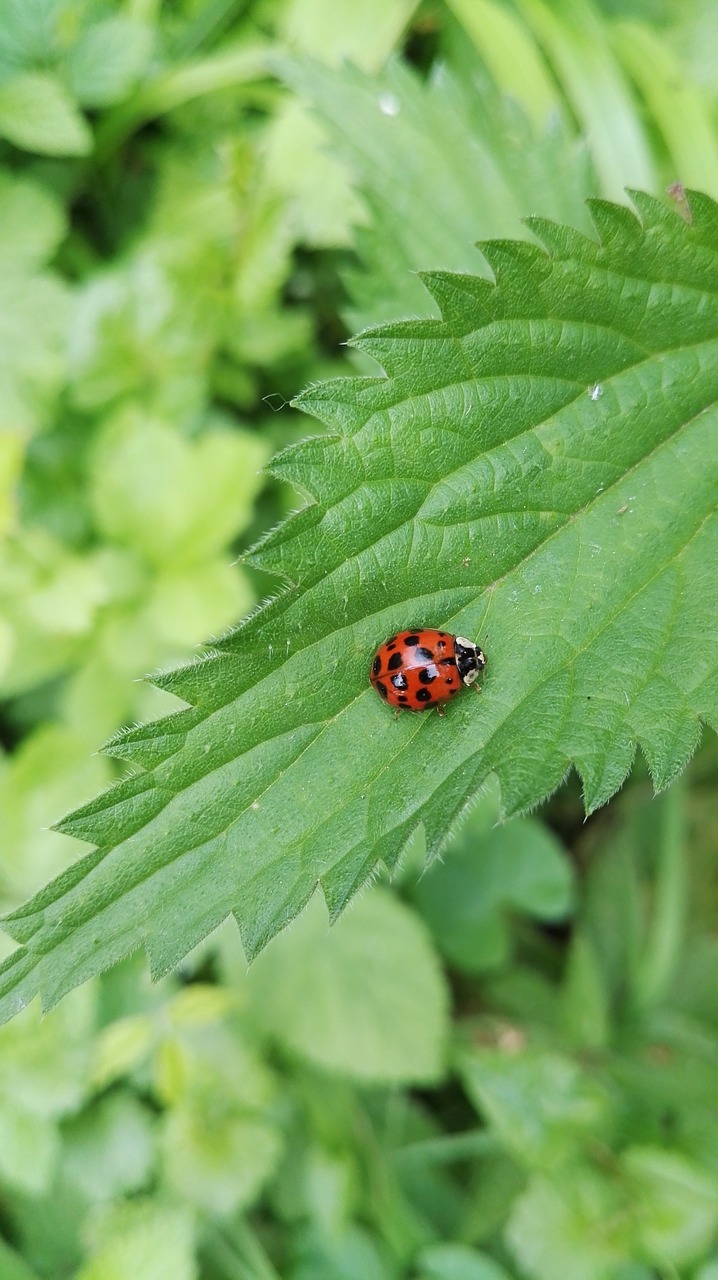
<point x="505" y="1067"/>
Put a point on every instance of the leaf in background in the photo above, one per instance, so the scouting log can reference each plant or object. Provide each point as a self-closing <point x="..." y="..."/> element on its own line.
<point x="49" y="770"/>
<point x="458" y="1262"/>
<point x="676" y="1204"/>
<point x="577" y="1227"/>
<point x="515" y="62"/>
<point x="109" y="1148"/>
<point x="136" y="331"/>
<point x="541" y="1106"/>
<point x="108" y="60"/>
<point x="175" y="502"/>
<point x="50" y="598"/>
<point x="143" y="1239"/>
<point x="340" y="31"/>
<point x="578" y="44"/>
<point x="681" y="112"/>
<point x="34" y="316"/>
<point x="466" y="898"/>
<point x="476" y="169"/>
<point x="33" y="223"/>
<point x="12" y="1266"/>
<point x="378" y="1004"/>
<point x="37" y="113"/>
<point x="538" y="468"/>
<point x="43" y="1075"/>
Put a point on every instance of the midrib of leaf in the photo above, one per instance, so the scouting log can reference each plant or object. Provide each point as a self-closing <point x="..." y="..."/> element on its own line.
<point x="256" y="817"/>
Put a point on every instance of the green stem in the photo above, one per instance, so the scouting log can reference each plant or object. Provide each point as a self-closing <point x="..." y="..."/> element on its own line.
<point x="658" y="963"/>
<point x="176" y="87"/>
<point x="446" y="1149"/>
<point x="236" y="1254"/>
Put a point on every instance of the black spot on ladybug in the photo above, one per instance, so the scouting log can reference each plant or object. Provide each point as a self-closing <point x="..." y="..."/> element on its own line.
<point x="402" y="698"/>
<point x="425" y="653"/>
<point x="381" y="689"/>
<point x="441" y="644"/>
<point x="423" y="695"/>
<point x="394" y="661"/>
<point x="448" y="662"/>
<point x="452" y="691"/>
<point x="400" y="681"/>
<point x="449" y="680"/>
<point x="412" y="640"/>
<point x="427" y="674"/>
<point x="376" y="665"/>
<point x="442" y="633"/>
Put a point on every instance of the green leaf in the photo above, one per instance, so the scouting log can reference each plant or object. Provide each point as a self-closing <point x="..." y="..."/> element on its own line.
<point x="477" y="167"/>
<point x="219" y="1141"/>
<point x="37" y="114"/>
<point x="12" y="1266"/>
<point x="142" y="1239"/>
<point x="32" y="220"/>
<point x="34" y="314"/>
<point x="467" y="896"/>
<point x="43" y="1066"/>
<point x="676" y="1204"/>
<point x="109" y="1148"/>
<point x="539" y="1104"/>
<point x="216" y="1159"/>
<point x="508" y="49"/>
<point x="377" y="1006"/>
<point x="578" y="1228"/>
<point x="339" y="31"/>
<point x="175" y="502"/>
<point x="577" y="42"/>
<point x="457" y="1262"/>
<point x="681" y="112"/>
<point x="537" y="470"/>
<point x="108" y="60"/>
<point x="348" y="1255"/>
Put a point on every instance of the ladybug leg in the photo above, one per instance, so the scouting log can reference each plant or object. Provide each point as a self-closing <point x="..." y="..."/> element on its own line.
<point x="477" y="688"/>
<point x="440" y="711"/>
<point x="396" y="713"/>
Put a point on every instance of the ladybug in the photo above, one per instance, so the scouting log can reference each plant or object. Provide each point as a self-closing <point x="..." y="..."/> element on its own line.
<point x="424" y="668"/>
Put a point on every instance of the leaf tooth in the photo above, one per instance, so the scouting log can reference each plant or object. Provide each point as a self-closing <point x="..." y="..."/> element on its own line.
<point x="203" y="683"/>
<point x="656" y="213"/>
<point x="267" y="919"/>
<point x="323" y="467"/>
<point x="117" y="813"/>
<point x="19" y="982"/>
<point x="165" y="948"/>
<point x="563" y="243"/>
<point x="150" y="744"/>
<point x="667" y="744"/>
<point x="617" y="226"/>
<point x="604" y="773"/>
<point x="453" y="291"/>
<point x="339" y="402"/>
<point x="396" y="347"/>
<point x="277" y="551"/>
<point x="704" y="211"/>
<point x="516" y="264"/>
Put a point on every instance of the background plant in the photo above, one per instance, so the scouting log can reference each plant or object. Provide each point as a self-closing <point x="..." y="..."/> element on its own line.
<point x="181" y="239"/>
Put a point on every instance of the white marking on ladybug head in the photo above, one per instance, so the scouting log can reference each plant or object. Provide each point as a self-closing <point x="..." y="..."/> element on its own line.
<point x="471" y="675"/>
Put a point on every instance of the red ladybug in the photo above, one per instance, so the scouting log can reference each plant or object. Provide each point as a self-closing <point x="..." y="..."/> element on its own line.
<point x="424" y="668"/>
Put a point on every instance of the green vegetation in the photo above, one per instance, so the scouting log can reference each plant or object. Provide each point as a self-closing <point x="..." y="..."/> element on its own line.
<point x="502" y="1067"/>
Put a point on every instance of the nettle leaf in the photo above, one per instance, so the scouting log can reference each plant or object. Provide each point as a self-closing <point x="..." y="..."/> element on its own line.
<point x="537" y="470"/>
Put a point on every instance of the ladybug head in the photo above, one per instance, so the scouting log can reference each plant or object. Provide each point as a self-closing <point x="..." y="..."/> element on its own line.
<point x="469" y="659"/>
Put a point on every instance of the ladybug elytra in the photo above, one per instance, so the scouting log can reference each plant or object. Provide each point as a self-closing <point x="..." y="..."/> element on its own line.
<point x="424" y="668"/>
